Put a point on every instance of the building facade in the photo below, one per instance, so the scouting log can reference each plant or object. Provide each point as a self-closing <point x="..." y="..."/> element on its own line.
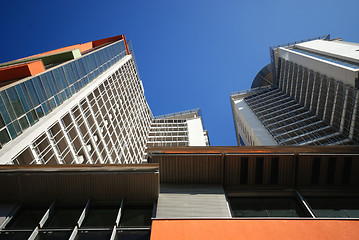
<point x="307" y="96"/>
<point x="84" y="104"/>
<point x="71" y="148"/>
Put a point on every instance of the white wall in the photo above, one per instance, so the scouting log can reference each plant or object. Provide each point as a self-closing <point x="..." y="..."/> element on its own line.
<point x="331" y="70"/>
<point x="195" y="132"/>
<point x="255" y="129"/>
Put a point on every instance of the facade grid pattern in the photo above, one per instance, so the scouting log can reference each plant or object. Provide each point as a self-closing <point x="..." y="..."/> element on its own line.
<point x="109" y="125"/>
<point x="307" y="108"/>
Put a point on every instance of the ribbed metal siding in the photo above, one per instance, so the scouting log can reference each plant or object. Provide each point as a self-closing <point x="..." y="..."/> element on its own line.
<point x="188" y="201"/>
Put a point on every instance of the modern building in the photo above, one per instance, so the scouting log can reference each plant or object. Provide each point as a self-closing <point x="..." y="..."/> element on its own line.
<point x="84" y="104"/>
<point x="70" y="163"/>
<point x="307" y="95"/>
<point x="188" y="193"/>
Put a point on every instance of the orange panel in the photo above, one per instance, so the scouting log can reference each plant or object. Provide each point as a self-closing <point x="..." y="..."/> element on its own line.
<point x="254" y="229"/>
<point x="21" y="70"/>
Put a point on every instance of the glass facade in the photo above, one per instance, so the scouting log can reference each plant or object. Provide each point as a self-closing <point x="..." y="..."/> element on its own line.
<point x="90" y="221"/>
<point x="22" y="105"/>
<point x="266" y="207"/>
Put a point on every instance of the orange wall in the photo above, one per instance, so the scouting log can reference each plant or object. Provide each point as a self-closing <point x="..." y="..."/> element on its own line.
<point x="254" y="229"/>
<point x="21" y="70"/>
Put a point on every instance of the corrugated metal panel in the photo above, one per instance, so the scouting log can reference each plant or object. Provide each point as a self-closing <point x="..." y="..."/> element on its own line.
<point x="188" y="201"/>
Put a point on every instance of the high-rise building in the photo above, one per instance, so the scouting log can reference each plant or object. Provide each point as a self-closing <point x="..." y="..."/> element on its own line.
<point x="308" y="95"/>
<point x="84" y="104"/>
<point x="179" y="191"/>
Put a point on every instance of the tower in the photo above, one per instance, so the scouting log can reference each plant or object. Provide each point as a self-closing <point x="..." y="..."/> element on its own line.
<point x="308" y="95"/>
<point x="83" y="104"/>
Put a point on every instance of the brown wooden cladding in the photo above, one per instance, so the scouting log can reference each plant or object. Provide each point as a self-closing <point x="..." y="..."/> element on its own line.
<point x="190" y="169"/>
<point x="72" y="186"/>
<point x="259" y="171"/>
<point x="267" y="176"/>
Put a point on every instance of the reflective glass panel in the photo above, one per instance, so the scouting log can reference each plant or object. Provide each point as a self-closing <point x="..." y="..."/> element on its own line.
<point x="14" y="235"/>
<point x="247" y="207"/>
<point x="53" y="235"/>
<point x="133" y="235"/>
<point x="98" y="235"/>
<point x="4" y="136"/>
<point x="7" y="105"/>
<point x="27" y="217"/>
<point x="266" y="207"/>
<point x="136" y="216"/>
<point x="24" y="123"/>
<point x="22" y="98"/>
<point x="334" y="207"/>
<point x="104" y="216"/>
<point x="64" y="217"/>
<point x="32" y="92"/>
<point x="4" y="113"/>
<point x="15" y="101"/>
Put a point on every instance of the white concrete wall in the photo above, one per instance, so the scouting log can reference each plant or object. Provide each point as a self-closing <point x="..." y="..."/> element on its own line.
<point x="331" y="70"/>
<point x="254" y="128"/>
<point x="338" y="49"/>
<point x="195" y="132"/>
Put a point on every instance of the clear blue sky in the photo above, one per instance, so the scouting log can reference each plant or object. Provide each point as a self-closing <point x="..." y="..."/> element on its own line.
<point x="191" y="53"/>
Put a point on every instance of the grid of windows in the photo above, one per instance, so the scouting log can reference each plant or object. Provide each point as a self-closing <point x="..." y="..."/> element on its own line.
<point x="109" y="125"/>
<point x="168" y="132"/>
<point x="123" y="220"/>
<point x="308" y="108"/>
<point x="315" y="207"/>
<point x="25" y="103"/>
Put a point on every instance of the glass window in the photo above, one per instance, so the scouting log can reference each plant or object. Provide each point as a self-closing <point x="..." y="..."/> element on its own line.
<point x="136" y="216"/>
<point x="46" y="85"/>
<point x="334" y="207"/>
<point x="14" y="235"/>
<point x="28" y="217"/>
<point x="247" y="207"/>
<point x="266" y="207"/>
<point x="4" y="113"/>
<point x="15" y="101"/>
<point x="4" y="137"/>
<point x="133" y="235"/>
<point x="22" y="98"/>
<point x="98" y="235"/>
<point x="53" y="235"/>
<point x="24" y="123"/>
<point x="104" y="216"/>
<point x="39" y="89"/>
<point x="39" y="112"/>
<point x="64" y="217"/>
<point x="2" y="122"/>
<point x="7" y="105"/>
<point x="53" y="82"/>
<point x="32" y="93"/>
<point x="14" y="129"/>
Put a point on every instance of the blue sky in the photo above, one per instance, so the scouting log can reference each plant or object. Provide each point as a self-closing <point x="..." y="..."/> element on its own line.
<point x="190" y="54"/>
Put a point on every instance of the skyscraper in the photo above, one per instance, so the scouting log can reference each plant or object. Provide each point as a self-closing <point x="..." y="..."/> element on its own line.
<point x="308" y="95"/>
<point x="84" y="104"/>
<point x="99" y="116"/>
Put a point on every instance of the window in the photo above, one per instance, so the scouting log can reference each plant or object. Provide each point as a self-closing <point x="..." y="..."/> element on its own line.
<point x="334" y="207"/>
<point x="266" y="207"/>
